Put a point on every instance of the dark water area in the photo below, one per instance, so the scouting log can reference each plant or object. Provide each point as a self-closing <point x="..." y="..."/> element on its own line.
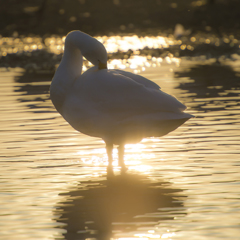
<point x="206" y="83"/>
<point x="95" y="17"/>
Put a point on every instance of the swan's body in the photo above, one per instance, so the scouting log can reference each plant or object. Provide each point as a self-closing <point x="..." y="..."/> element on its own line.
<point x="117" y="106"/>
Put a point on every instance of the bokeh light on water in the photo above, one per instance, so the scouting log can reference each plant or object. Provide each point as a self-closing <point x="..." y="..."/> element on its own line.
<point x="56" y="44"/>
<point x="49" y="171"/>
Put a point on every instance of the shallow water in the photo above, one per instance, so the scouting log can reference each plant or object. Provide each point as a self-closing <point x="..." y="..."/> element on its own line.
<point x="185" y="185"/>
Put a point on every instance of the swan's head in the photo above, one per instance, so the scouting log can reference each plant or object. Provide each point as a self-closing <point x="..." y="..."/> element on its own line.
<point x="91" y="48"/>
<point x="95" y="52"/>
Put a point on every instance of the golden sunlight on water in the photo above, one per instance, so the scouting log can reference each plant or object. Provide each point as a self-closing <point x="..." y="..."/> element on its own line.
<point x="56" y="44"/>
<point x="185" y="185"/>
<point x="113" y="44"/>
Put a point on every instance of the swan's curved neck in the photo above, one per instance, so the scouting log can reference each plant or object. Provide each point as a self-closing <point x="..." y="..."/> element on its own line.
<point x="68" y="71"/>
<point x="71" y="65"/>
<point x="77" y="45"/>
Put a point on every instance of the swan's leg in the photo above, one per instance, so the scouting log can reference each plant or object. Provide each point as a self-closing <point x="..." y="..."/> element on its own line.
<point x="109" y="148"/>
<point x="121" y="156"/>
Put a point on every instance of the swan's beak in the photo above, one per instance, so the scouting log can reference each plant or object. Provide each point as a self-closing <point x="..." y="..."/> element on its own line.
<point x="102" y="65"/>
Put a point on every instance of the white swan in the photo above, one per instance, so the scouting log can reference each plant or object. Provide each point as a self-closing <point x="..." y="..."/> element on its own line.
<point x="117" y="106"/>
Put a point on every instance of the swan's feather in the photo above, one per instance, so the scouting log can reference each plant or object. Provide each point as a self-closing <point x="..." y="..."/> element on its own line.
<point x="139" y="79"/>
<point x="103" y="101"/>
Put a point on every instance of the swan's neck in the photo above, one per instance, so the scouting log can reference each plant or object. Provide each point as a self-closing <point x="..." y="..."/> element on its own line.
<point x="68" y="71"/>
<point x="72" y="61"/>
<point x="71" y="65"/>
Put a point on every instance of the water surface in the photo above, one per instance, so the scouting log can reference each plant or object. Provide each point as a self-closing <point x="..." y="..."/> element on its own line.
<point x="184" y="185"/>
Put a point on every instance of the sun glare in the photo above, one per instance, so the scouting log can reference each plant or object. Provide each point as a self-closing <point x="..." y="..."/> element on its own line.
<point x="151" y="234"/>
<point x="136" y="157"/>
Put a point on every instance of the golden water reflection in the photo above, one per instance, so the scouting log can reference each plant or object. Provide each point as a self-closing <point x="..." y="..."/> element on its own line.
<point x="46" y="166"/>
<point x="113" y="44"/>
<point x="135" y="153"/>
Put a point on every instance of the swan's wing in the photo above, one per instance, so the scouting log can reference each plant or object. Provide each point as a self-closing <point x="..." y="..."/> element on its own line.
<point x="137" y="78"/>
<point x="110" y="93"/>
<point x="102" y="102"/>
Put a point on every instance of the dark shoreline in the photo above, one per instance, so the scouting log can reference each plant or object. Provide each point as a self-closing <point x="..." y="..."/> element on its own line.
<point x="47" y="17"/>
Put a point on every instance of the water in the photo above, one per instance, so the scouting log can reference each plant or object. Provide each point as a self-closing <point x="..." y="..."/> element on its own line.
<point x="184" y="185"/>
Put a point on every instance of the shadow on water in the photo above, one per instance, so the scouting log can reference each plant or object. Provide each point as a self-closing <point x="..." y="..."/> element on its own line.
<point x="33" y="88"/>
<point x="210" y="81"/>
<point x="120" y="203"/>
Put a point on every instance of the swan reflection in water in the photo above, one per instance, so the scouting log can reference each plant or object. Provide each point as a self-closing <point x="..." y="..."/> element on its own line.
<point x="102" y="209"/>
